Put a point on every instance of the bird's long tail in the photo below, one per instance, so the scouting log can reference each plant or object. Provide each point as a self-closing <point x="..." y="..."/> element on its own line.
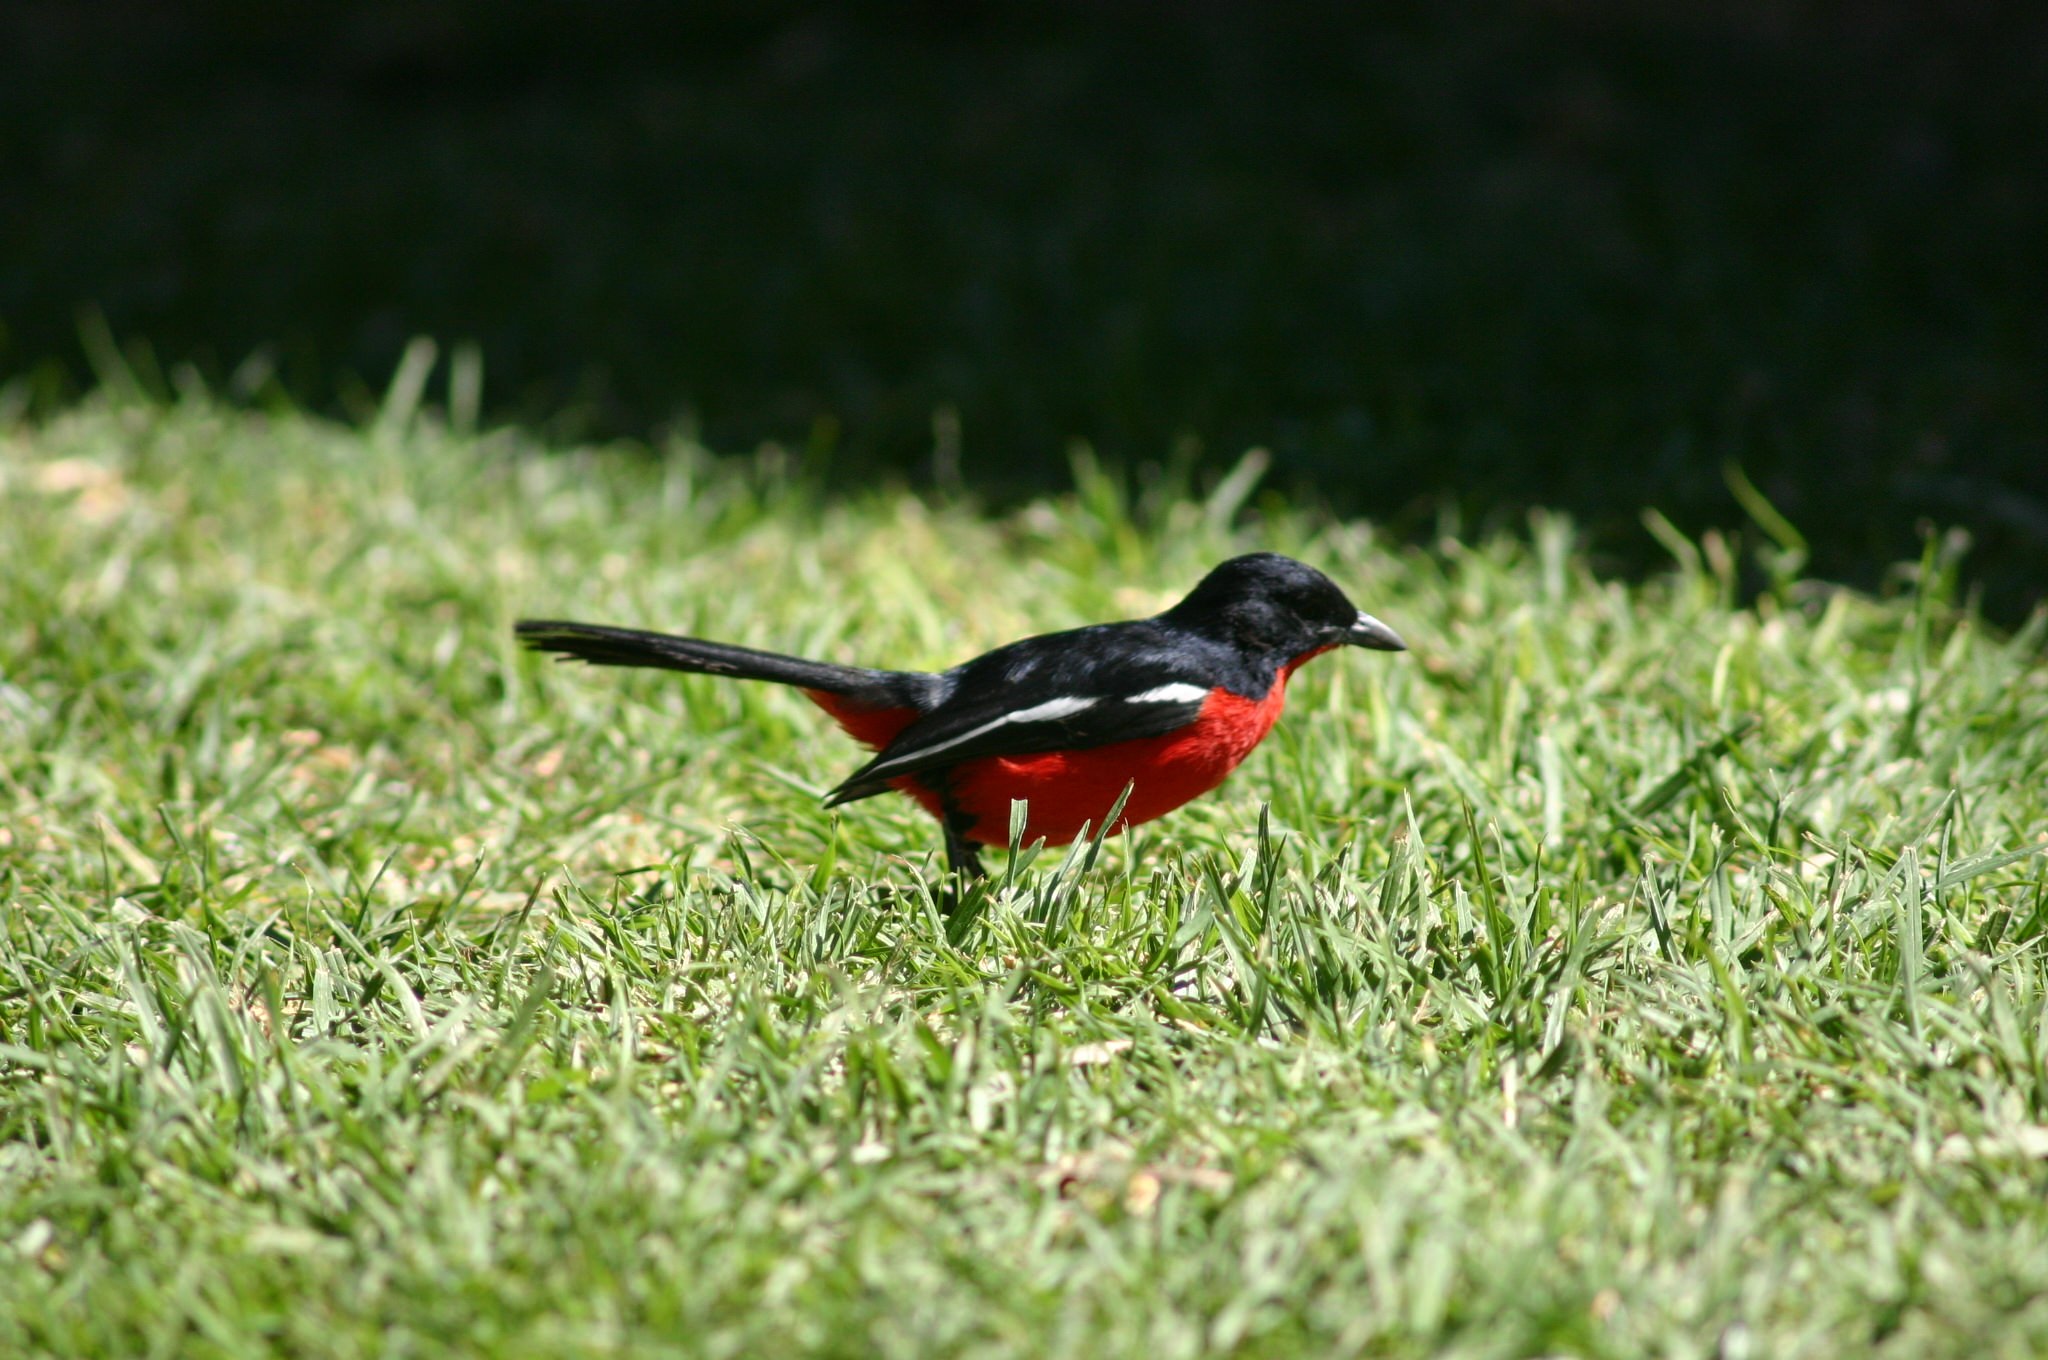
<point x="605" y="646"/>
<point x="872" y="705"/>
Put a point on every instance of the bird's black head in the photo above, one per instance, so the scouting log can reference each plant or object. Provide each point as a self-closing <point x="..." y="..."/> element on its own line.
<point x="1280" y="607"/>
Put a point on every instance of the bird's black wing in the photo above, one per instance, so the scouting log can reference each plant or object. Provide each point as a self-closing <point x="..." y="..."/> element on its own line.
<point x="1070" y="691"/>
<point x="1064" y="723"/>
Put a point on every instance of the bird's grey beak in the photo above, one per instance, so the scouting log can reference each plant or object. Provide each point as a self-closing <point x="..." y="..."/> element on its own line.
<point x="1370" y="632"/>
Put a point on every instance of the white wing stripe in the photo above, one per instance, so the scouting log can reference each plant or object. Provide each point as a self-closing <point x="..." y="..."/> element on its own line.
<point x="1048" y="711"/>
<point x="1170" y="694"/>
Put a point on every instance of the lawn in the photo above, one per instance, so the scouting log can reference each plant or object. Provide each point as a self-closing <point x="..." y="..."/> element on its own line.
<point x="1629" y="969"/>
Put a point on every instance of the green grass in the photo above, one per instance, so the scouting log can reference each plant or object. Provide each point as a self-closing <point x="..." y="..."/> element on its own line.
<point x="1622" y="972"/>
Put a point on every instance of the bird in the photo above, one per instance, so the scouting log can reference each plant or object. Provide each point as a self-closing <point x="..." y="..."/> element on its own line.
<point x="1164" y="707"/>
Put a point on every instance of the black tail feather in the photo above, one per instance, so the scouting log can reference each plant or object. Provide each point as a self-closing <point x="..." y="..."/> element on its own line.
<point x="604" y="646"/>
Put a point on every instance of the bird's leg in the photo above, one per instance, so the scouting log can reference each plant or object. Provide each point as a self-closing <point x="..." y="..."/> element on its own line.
<point x="963" y="860"/>
<point x="963" y="856"/>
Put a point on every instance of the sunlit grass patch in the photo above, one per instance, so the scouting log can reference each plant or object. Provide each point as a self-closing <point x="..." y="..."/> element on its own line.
<point x="1627" y="969"/>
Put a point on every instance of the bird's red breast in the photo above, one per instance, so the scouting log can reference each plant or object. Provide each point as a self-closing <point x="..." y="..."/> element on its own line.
<point x="1072" y="791"/>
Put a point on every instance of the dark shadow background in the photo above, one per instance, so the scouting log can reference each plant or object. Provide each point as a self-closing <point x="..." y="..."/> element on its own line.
<point x="1578" y="253"/>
